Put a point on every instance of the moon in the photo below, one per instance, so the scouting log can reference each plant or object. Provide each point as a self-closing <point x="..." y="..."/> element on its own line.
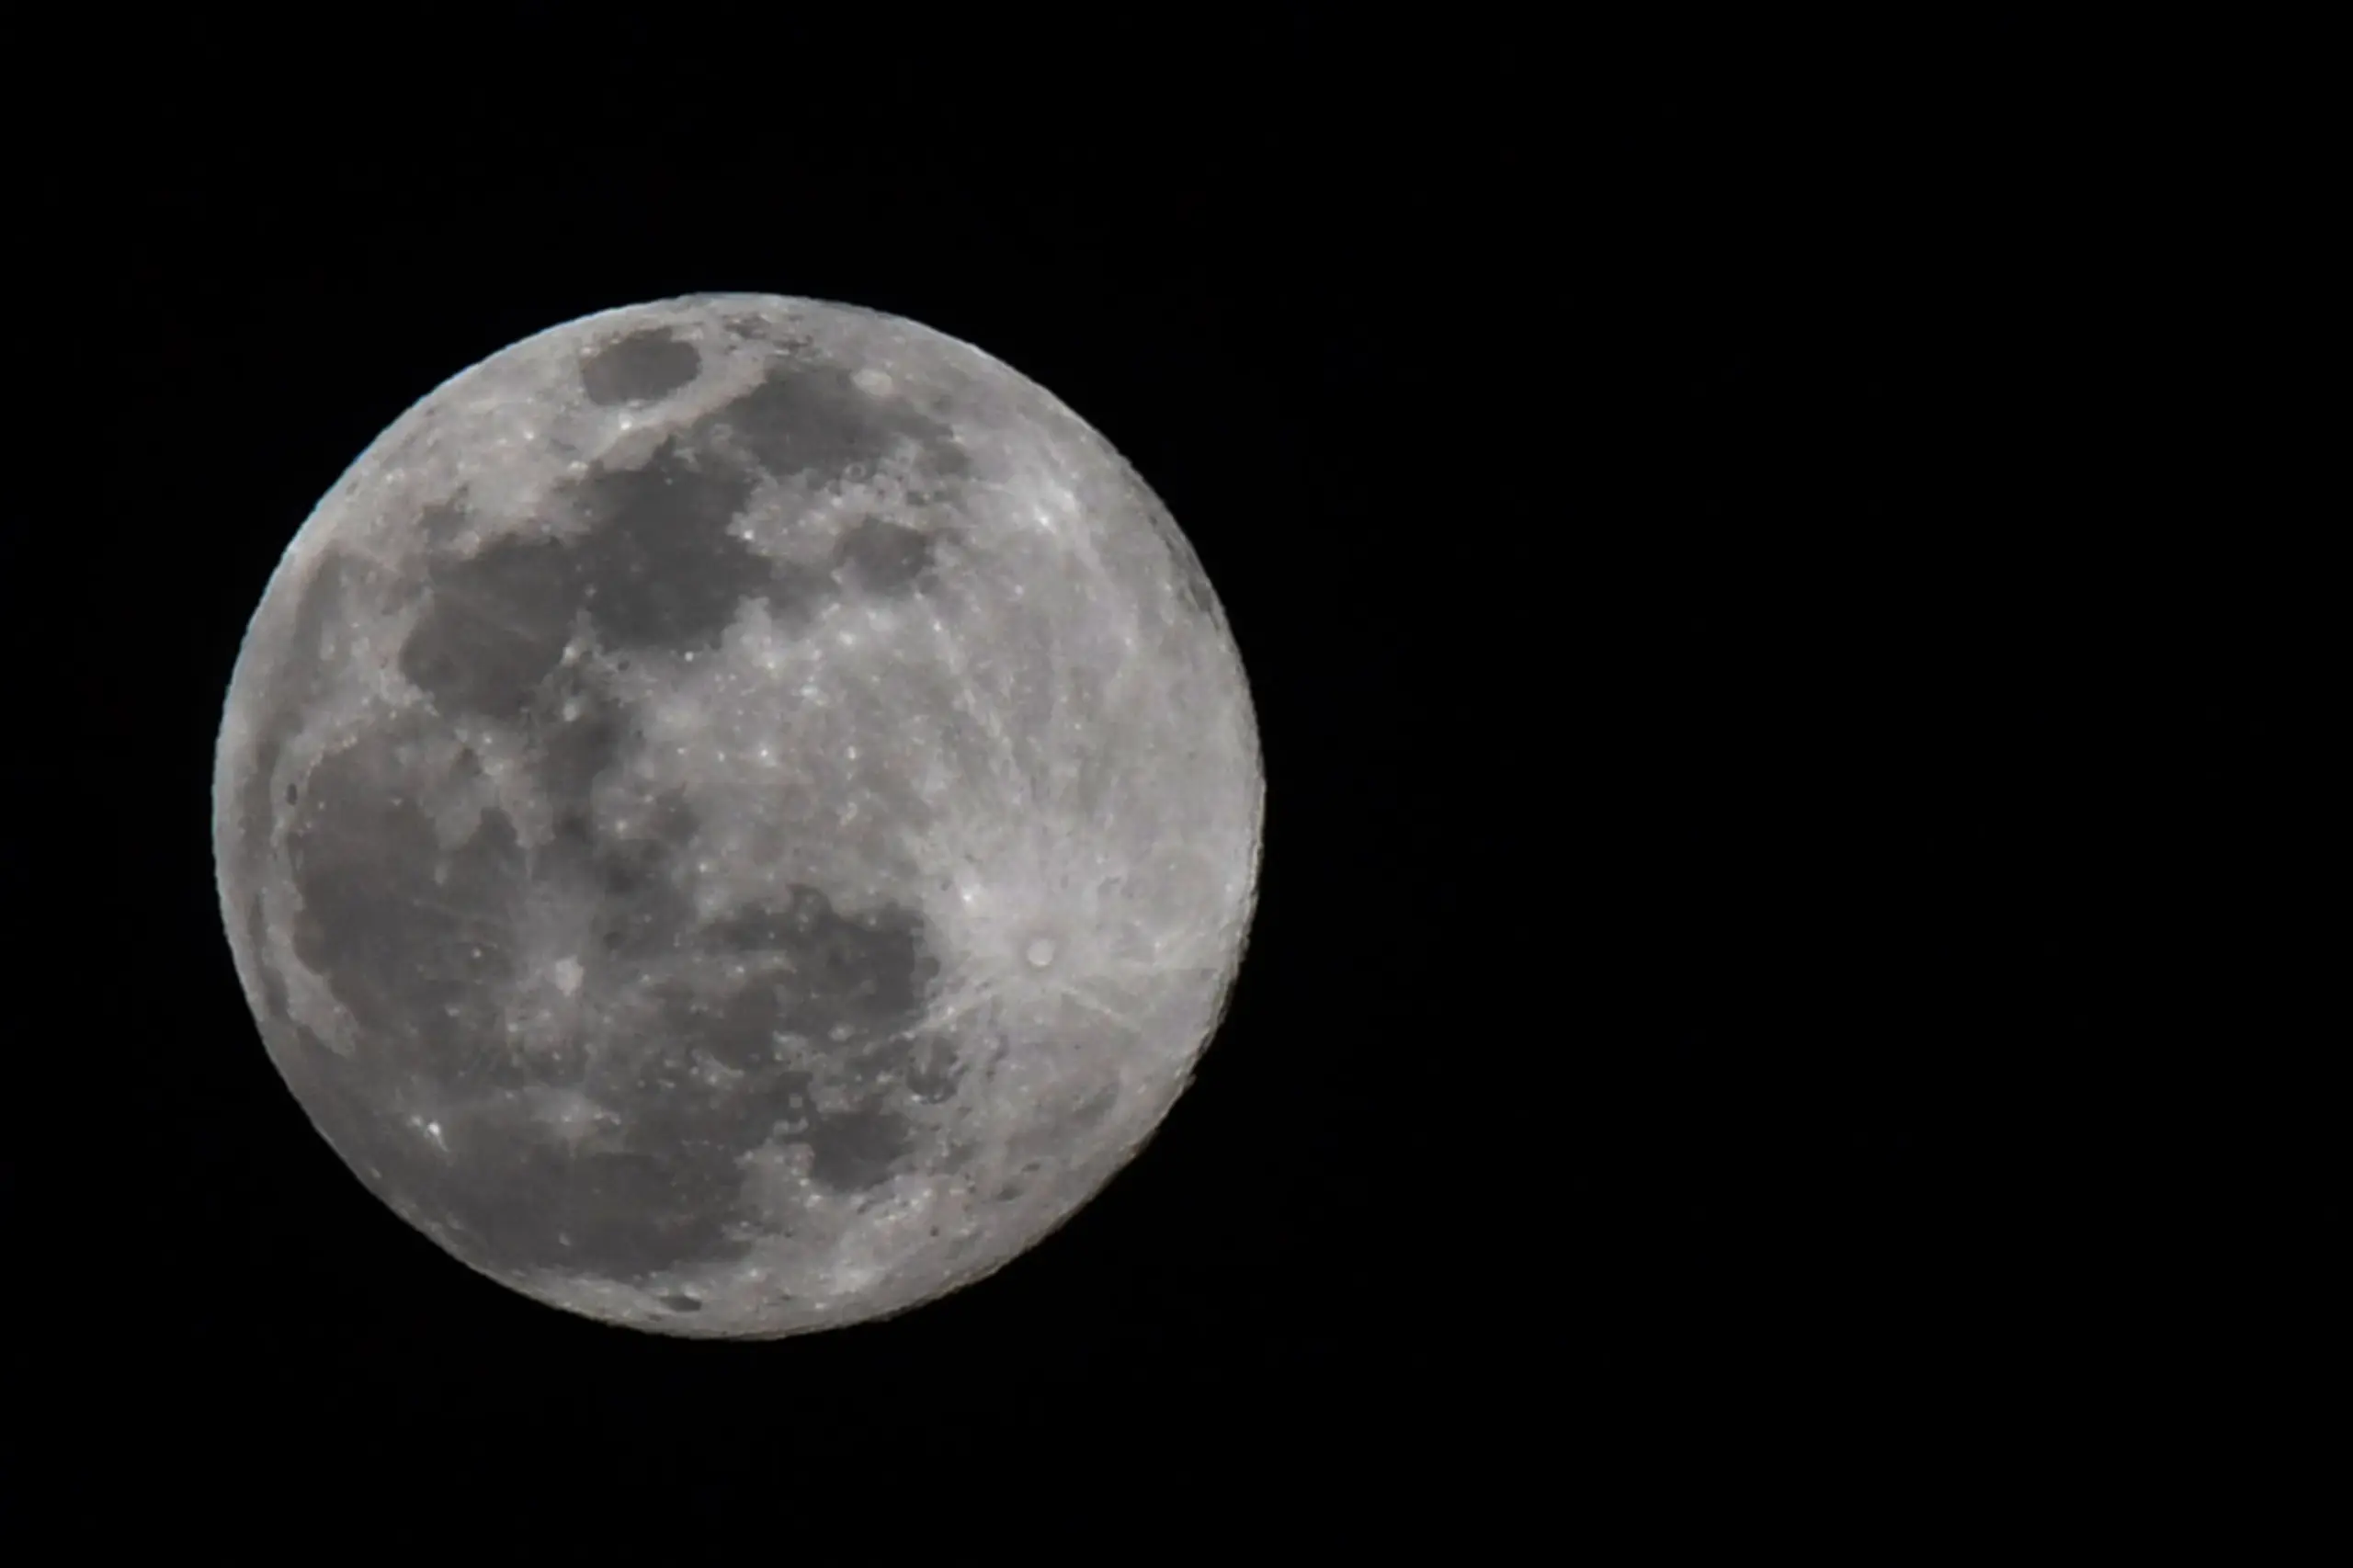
<point x="737" y="815"/>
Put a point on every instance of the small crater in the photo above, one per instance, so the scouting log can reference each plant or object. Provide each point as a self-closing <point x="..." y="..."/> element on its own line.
<point x="292" y="794"/>
<point x="678" y="1302"/>
<point x="932" y="1073"/>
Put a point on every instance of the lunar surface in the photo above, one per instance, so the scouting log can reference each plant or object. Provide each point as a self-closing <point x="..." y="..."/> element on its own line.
<point x="737" y="815"/>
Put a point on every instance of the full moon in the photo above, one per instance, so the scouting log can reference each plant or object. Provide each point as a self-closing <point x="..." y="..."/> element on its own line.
<point x="737" y="815"/>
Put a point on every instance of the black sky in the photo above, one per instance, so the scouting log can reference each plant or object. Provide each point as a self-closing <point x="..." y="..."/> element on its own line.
<point x="1702" y="670"/>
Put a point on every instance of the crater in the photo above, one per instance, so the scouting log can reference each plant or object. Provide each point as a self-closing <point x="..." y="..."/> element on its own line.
<point x="495" y="626"/>
<point x="931" y="1070"/>
<point x="862" y="977"/>
<point x="1192" y="582"/>
<point x="884" y="557"/>
<point x="856" y="1151"/>
<point x="1090" y="1112"/>
<point x="287" y="690"/>
<point x="658" y="1187"/>
<point x="813" y="420"/>
<point x="658" y="567"/>
<point x="639" y="909"/>
<point x="415" y="943"/>
<point x="642" y="367"/>
<point x="576" y="746"/>
<point x="654" y="1189"/>
<point x="273" y="986"/>
<point x="441" y="523"/>
<point x="631" y="1207"/>
<point x="738" y="1030"/>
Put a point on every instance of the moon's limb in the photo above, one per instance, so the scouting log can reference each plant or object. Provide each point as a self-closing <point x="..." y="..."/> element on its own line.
<point x="737" y="815"/>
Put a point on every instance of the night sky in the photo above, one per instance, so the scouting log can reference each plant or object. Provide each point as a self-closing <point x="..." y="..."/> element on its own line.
<point x="1720" y="705"/>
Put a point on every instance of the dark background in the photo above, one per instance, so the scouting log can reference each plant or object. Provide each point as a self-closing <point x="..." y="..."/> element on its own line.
<point x="1735" y="686"/>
